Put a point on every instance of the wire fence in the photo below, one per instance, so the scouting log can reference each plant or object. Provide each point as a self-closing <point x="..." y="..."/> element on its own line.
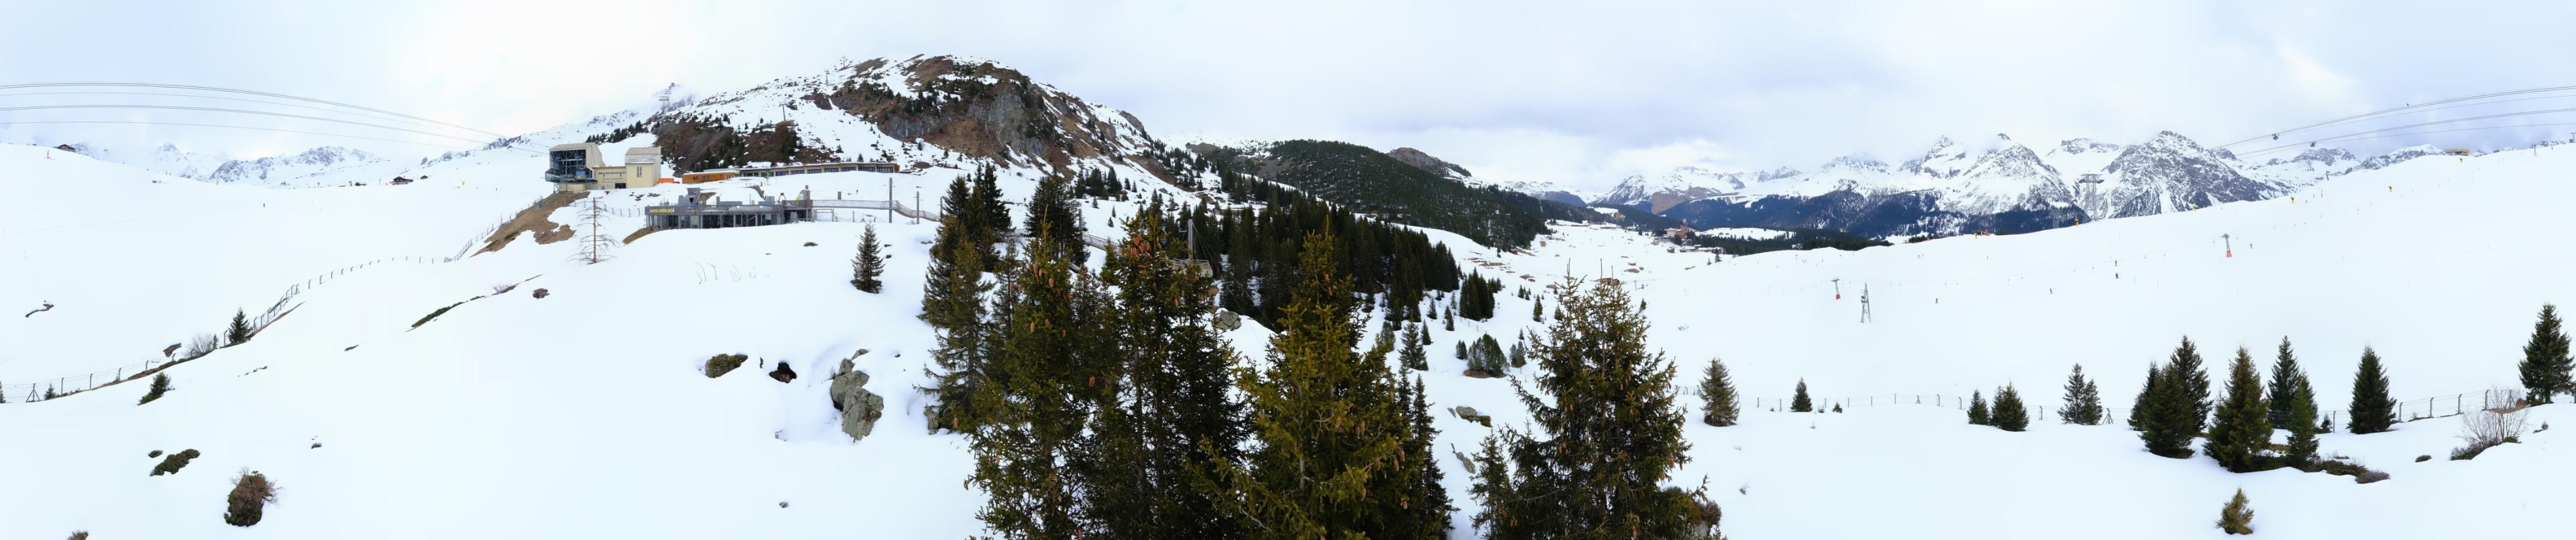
<point x="198" y="347"/>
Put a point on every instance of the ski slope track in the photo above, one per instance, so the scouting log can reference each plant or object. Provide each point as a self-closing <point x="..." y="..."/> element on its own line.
<point x="584" y="414"/>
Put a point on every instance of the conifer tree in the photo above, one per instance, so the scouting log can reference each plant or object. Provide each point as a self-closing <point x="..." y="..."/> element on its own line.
<point x="1607" y="434"/>
<point x="1462" y="350"/>
<point x="160" y="385"/>
<point x="1799" y="402"/>
<point x="2302" y="448"/>
<point x="869" y="264"/>
<point x="2237" y="517"/>
<point x="2193" y="381"/>
<point x="2372" y="411"/>
<point x="1423" y="511"/>
<point x="240" y="330"/>
<point x="1977" y="413"/>
<point x="1330" y="437"/>
<point x="2167" y="417"/>
<point x="2287" y="379"/>
<point x="1169" y="412"/>
<point x="1716" y="394"/>
<point x="2083" y="400"/>
<point x="1538" y="310"/>
<point x="2238" y="438"/>
<point x="2545" y="363"/>
<point x="1053" y="212"/>
<point x="952" y="301"/>
<point x="2010" y="414"/>
<point x="2138" y="408"/>
<point x="1412" y="354"/>
<point x="1040" y="387"/>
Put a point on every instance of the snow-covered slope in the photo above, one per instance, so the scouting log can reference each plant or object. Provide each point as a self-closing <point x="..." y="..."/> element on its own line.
<point x="583" y="414"/>
<point x="166" y="159"/>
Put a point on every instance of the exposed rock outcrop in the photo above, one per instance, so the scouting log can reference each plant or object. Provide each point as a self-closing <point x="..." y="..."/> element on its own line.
<point x="859" y="408"/>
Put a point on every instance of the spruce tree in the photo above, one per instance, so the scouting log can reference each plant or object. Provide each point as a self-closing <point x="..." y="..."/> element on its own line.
<point x="1462" y="350"/>
<point x="1040" y="386"/>
<point x="1607" y="434"/>
<point x="2083" y="400"/>
<point x="2242" y="430"/>
<point x="1053" y="212"/>
<point x="1799" y="402"/>
<point x="1170" y="411"/>
<point x="1488" y="354"/>
<point x="2302" y="448"/>
<point x="1977" y="413"/>
<point x="1423" y="511"/>
<point x="1331" y="440"/>
<point x="1716" y="394"/>
<point x="2545" y="363"/>
<point x="2138" y="408"/>
<point x="239" y="331"/>
<point x="2287" y="377"/>
<point x="869" y="264"/>
<point x="2185" y="366"/>
<point x="2237" y="517"/>
<point x="2010" y="414"/>
<point x="1412" y="354"/>
<point x="952" y="301"/>
<point x="2372" y="411"/>
<point x="160" y="385"/>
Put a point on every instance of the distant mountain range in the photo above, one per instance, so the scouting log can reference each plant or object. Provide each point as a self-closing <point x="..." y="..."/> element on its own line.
<point x="279" y="170"/>
<point x="1988" y="184"/>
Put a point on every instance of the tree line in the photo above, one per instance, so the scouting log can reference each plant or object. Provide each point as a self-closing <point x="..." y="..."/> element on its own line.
<point x="1103" y="403"/>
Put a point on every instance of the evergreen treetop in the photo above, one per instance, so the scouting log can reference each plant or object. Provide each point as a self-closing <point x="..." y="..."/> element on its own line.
<point x="2545" y="363"/>
<point x="2372" y="410"/>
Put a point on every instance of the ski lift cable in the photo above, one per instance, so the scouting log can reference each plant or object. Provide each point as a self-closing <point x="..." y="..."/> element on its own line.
<point x="2405" y="108"/>
<point x="2427" y="132"/>
<point x="2358" y="135"/>
<point x="420" y="123"/>
<point x="237" y="91"/>
<point x="437" y="145"/>
<point x="241" y="111"/>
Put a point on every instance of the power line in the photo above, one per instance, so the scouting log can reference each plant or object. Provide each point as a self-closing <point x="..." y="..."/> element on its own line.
<point x="240" y="91"/>
<point x="243" y="111"/>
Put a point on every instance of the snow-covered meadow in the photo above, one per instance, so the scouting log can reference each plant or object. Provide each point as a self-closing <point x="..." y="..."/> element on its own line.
<point x="584" y="413"/>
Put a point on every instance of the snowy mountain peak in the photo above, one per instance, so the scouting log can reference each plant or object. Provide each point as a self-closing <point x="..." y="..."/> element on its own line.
<point x="287" y="168"/>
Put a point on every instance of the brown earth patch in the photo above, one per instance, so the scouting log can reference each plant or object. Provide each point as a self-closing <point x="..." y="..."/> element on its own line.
<point x="533" y="219"/>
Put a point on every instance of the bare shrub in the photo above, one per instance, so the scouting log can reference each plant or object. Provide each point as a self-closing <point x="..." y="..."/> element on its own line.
<point x="2487" y="428"/>
<point x="201" y="345"/>
<point x="252" y="492"/>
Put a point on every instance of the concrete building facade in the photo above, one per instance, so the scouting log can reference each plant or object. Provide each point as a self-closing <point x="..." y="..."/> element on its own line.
<point x="581" y="167"/>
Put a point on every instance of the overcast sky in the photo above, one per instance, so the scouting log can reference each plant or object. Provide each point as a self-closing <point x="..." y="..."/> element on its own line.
<point x="1579" y="93"/>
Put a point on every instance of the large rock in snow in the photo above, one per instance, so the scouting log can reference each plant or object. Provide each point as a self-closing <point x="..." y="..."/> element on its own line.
<point x="859" y="408"/>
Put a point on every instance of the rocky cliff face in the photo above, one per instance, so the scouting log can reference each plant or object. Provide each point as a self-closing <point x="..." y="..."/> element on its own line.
<point x="1434" y="165"/>
<point x="917" y="111"/>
